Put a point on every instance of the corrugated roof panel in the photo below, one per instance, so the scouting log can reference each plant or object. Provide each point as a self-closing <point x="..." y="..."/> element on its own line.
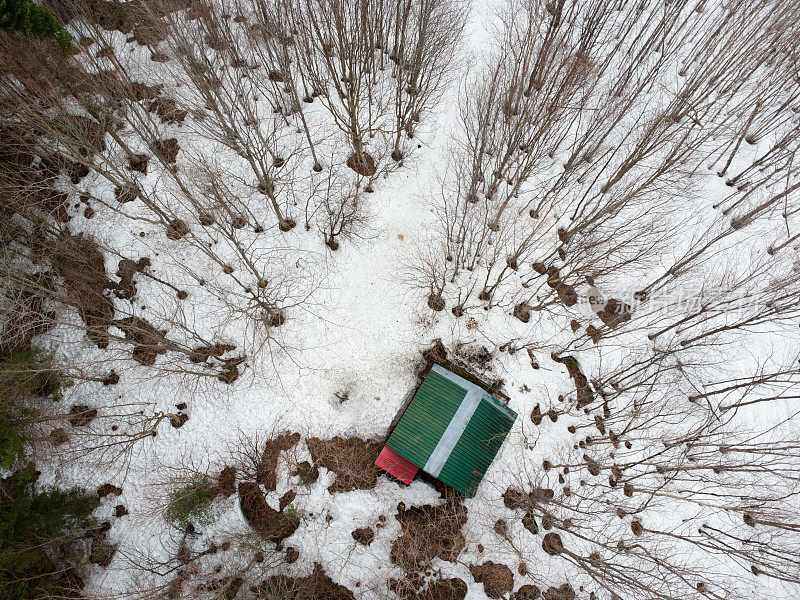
<point x="391" y="462"/>
<point x="426" y="418"/>
<point x="477" y="447"/>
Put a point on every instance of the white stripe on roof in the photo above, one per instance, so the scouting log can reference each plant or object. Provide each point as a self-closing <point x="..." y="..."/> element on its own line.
<point x="454" y="429"/>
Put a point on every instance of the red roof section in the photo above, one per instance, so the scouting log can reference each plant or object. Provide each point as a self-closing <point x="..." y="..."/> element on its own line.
<point x="391" y="462"/>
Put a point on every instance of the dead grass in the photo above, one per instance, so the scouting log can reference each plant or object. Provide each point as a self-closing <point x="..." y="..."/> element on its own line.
<point x="316" y="586"/>
<point x="497" y="578"/>
<point x="428" y="532"/>
<point x="256" y="457"/>
<point x="351" y="459"/>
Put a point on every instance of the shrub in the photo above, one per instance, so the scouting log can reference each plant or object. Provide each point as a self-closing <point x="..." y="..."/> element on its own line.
<point x="37" y="531"/>
<point x="191" y="503"/>
<point x="30" y="372"/>
<point x="32" y="20"/>
<point x="10" y="444"/>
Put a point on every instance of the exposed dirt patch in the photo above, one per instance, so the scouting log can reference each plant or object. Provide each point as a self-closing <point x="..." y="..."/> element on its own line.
<point x="514" y="498"/>
<point x="594" y="333"/>
<point x="446" y="589"/>
<point x="417" y="588"/>
<point x="476" y="356"/>
<point x="364" y="535"/>
<point x="307" y="472"/>
<point x="265" y="469"/>
<point x="522" y="312"/>
<point x="552" y="544"/>
<point x="273" y="525"/>
<point x="81" y="415"/>
<point x="79" y="262"/>
<point x="177" y="229"/>
<point x="584" y="391"/>
<point x="226" y="482"/>
<point x="566" y="293"/>
<point x="428" y="532"/>
<point x="526" y="592"/>
<point x="363" y="164"/>
<point x="126" y="193"/>
<point x="291" y="555"/>
<point x="138" y="163"/>
<point x="126" y="269"/>
<point x="148" y="342"/>
<point x="58" y="436"/>
<point x="497" y="579"/>
<point x="316" y="586"/>
<point x="564" y="592"/>
<point x="201" y="354"/>
<point x="167" y="109"/>
<point x="352" y="459"/>
<point x="436" y="302"/>
<point x="167" y="150"/>
<point x="108" y="489"/>
<point x="286" y="500"/>
<point x="614" y="313"/>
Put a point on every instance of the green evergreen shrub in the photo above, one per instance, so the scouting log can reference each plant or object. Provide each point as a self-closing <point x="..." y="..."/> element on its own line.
<point x="33" y="20"/>
<point x="30" y="372"/>
<point x="10" y="444"/>
<point x="191" y="503"/>
<point x="37" y="529"/>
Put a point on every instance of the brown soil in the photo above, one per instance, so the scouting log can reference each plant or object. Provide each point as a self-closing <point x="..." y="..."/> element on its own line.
<point x="552" y="544"/>
<point x="286" y="500"/>
<point x="307" y="472"/>
<point x="58" y="436"/>
<point x="364" y="536"/>
<point x="167" y="150"/>
<point x="614" y="313"/>
<point x="436" y="302"/>
<point x="138" y="163"/>
<point x="126" y="269"/>
<point x="168" y="110"/>
<point x="108" y="489"/>
<point x="177" y="229"/>
<point x="351" y="459"/>
<point x="148" y="342"/>
<point x="584" y="392"/>
<point x="566" y="293"/>
<point x="201" y="354"/>
<point x="265" y="471"/>
<point x="477" y="356"/>
<point x="81" y="415"/>
<point x="416" y="588"/>
<point x="526" y="592"/>
<point x="271" y="524"/>
<point x="565" y="592"/>
<point x="522" y="312"/>
<point x="536" y="415"/>
<point x="497" y="579"/>
<point x="362" y="164"/>
<point x="316" y="586"/>
<point x="79" y="262"/>
<point x="291" y="556"/>
<point x="126" y="193"/>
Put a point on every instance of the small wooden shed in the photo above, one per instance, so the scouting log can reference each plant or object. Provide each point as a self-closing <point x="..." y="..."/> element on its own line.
<point x="452" y="429"/>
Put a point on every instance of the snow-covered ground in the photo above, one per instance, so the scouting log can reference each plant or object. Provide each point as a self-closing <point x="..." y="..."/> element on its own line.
<point x="359" y="336"/>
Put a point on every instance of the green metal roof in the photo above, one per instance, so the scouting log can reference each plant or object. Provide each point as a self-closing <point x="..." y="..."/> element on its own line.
<point x="452" y="429"/>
